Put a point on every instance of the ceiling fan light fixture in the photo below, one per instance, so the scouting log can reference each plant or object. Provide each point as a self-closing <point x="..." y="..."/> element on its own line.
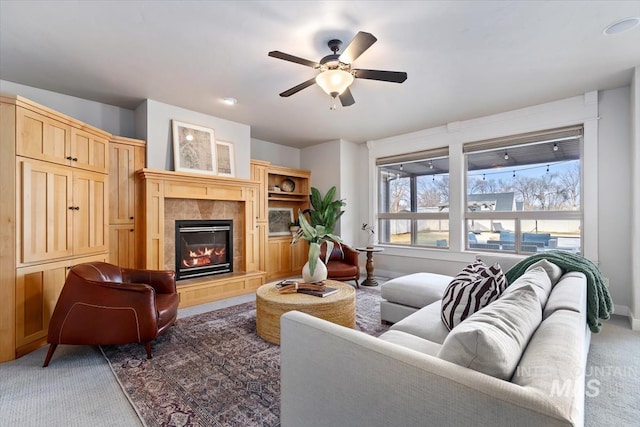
<point x="334" y="82"/>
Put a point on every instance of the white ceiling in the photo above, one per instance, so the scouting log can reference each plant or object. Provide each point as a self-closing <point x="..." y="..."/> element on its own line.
<point x="463" y="59"/>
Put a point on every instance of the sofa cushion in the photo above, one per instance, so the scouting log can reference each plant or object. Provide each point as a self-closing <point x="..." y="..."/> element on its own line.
<point x="553" y="271"/>
<point x="536" y="277"/>
<point x="415" y="290"/>
<point x="424" y="323"/>
<point x="473" y="288"/>
<point x="553" y="363"/>
<point x="493" y="339"/>
<point x="570" y="293"/>
<point x="411" y="341"/>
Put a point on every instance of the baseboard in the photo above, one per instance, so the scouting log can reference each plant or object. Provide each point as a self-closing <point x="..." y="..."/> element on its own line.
<point x="635" y="323"/>
<point x="621" y="310"/>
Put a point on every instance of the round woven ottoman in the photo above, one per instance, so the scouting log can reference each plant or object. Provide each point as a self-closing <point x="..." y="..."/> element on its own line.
<point x="339" y="308"/>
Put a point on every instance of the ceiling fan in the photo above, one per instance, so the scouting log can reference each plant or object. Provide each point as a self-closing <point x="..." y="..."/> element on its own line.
<point x="336" y="74"/>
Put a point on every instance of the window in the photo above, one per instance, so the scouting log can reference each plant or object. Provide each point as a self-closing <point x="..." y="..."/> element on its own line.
<point x="414" y="199"/>
<point x="523" y="193"/>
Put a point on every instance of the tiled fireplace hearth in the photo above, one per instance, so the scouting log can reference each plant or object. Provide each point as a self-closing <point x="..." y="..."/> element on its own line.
<point x="171" y="196"/>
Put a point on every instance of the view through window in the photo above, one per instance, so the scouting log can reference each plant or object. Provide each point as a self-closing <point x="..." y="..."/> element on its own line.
<point x="523" y="194"/>
<point x="413" y="195"/>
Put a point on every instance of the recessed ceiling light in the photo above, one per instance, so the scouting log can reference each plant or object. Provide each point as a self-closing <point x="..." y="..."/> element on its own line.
<point x="621" y="26"/>
<point x="229" y="100"/>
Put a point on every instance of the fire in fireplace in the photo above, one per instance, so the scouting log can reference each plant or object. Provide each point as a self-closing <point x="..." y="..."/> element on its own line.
<point x="203" y="247"/>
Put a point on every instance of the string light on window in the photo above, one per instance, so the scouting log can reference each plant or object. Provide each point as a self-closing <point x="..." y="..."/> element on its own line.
<point x="401" y="167"/>
<point x="514" y="174"/>
<point x="506" y="155"/>
<point x="483" y="178"/>
<point x="547" y="168"/>
<point x="433" y="178"/>
<point x="555" y="147"/>
<point x="430" y="164"/>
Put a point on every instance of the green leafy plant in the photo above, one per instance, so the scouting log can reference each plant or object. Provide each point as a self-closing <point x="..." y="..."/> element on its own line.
<point x="315" y="236"/>
<point x="324" y="210"/>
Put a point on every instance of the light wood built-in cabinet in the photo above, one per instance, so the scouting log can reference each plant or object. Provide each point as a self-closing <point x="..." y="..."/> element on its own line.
<point x="280" y="259"/>
<point x="54" y="212"/>
<point x="126" y="156"/>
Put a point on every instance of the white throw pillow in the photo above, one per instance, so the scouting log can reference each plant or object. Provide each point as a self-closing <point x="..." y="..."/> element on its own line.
<point x="493" y="339"/>
<point x="553" y="271"/>
<point x="538" y="278"/>
<point x="472" y="289"/>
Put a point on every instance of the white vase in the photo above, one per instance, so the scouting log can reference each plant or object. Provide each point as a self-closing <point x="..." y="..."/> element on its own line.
<point x="319" y="274"/>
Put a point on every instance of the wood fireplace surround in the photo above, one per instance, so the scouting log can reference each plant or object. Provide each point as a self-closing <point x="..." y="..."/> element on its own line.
<point x="167" y="196"/>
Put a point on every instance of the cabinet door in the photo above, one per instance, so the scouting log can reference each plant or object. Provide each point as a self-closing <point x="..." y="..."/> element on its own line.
<point x="37" y="291"/>
<point x="89" y="151"/>
<point x="122" y="244"/>
<point x="279" y="258"/>
<point x="121" y="183"/>
<point x="44" y="215"/>
<point x="299" y="256"/>
<point x="40" y="137"/>
<point x="90" y="214"/>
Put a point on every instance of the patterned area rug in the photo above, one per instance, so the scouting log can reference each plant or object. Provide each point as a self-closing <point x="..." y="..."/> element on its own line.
<point x="213" y="370"/>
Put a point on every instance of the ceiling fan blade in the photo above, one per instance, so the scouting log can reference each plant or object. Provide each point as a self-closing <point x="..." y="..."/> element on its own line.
<point x="346" y="98"/>
<point x="291" y="58"/>
<point x="361" y="42"/>
<point x="298" y="88"/>
<point x="385" y="76"/>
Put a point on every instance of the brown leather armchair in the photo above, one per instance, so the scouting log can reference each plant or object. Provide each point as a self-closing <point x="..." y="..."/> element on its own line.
<point x="342" y="264"/>
<point x="103" y="304"/>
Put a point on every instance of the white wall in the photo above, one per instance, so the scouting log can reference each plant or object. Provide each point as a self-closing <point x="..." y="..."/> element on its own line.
<point x="277" y="154"/>
<point x="350" y="188"/>
<point x="635" y="199"/>
<point x="615" y="201"/>
<point x="159" y="135"/>
<point x="115" y="120"/>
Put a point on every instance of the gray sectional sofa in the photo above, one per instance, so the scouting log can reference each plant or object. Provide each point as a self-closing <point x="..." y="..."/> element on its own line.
<point x="410" y="375"/>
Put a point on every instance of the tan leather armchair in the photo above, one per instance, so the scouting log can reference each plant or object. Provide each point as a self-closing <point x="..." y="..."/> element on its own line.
<point x="103" y="304"/>
<point x="342" y="264"/>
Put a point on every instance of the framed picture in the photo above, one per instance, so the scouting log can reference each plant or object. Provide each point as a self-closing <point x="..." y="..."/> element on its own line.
<point x="226" y="158"/>
<point x="194" y="148"/>
<point x="279" y="219"/>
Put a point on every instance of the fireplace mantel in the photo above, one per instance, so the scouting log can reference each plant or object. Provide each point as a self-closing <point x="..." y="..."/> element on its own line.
<point x="155" y="186"/>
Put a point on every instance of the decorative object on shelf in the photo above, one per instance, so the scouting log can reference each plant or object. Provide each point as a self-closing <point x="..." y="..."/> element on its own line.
<point x="279" y="220"/>
<point x="193" y="148"/>
<point x="315" y="269"/>
<point x="288" y="185"/>
<point x="370" y="233"/>
<point x="324" y="210"/>
<point x="275" y="188"/>
<point x="226" y="158"/>
<point x="294" y="227"/>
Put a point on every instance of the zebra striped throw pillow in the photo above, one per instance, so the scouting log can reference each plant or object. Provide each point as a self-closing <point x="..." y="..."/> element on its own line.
<point x="472" y="289"/>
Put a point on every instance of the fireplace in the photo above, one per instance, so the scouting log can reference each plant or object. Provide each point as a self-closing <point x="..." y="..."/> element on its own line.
<point x="203" y="247"/>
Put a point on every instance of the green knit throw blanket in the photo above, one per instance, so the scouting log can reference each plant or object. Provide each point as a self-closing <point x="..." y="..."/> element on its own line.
<point x="599" y="304"/>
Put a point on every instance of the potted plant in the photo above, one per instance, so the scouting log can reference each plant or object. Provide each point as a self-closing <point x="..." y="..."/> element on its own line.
<point x="294" y="227"/>
<point x="324" y="210"/>
<point x="313" y="270"/>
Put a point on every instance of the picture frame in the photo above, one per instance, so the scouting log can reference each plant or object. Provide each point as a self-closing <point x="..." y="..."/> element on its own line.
<point x="225" y="158"/>
<point x="279" y="219"/>
<point x="194" y="148"/>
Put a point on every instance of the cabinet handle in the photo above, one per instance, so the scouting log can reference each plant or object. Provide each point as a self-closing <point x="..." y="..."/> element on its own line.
<point x="75" y="159"/>
<point x="69" y="158"/>
<point x="130" y="217"/>
<point x="131" y="229"/>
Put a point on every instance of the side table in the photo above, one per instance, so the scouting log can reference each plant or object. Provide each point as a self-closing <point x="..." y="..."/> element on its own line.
<point x="370" y="280"/>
